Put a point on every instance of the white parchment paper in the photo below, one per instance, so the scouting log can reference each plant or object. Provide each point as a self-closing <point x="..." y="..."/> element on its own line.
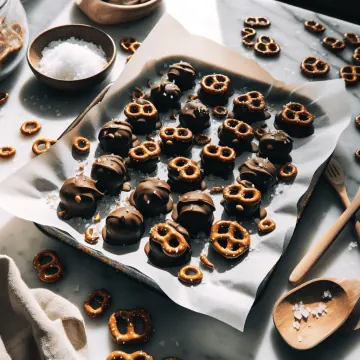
<point x="228" y="292"/>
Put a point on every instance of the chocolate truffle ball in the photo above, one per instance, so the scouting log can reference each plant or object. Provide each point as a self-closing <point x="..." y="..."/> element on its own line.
<point x="165" y="95"/>
<point x="176" y="141"/>
<point x="143" y="116"/>
<point x="152" y="197"/>
<point x="110" y="173"/>
<point x="124" y="226"/>
<point x="78" y="197"/>
<point x="215" y="89"/>
<point x="194" y="211"/>
<point x="183" y="74"/>
<point x="261" y="172"/>
<point x="168" y="245"/>
<point x="195" y="116"/>
<point x="276" y="145"/>
<point x="116" y="137"/>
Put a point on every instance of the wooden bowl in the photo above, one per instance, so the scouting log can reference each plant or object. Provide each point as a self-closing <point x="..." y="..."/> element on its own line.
<point x="109" y="13"/>
<point x="83" y="32"/>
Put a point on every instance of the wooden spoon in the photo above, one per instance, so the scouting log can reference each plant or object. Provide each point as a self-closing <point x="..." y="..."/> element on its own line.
<point x="344" y="295"/>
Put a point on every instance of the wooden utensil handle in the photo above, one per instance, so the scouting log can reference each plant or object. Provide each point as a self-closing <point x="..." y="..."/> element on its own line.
<point x="346" y="201"/>
<point x="325" y="241"/>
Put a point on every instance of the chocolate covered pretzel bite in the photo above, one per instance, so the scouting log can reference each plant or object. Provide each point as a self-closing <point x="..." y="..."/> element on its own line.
<point x="102" y="298"/>
<point x="195" y="116"/>
<point x="220" y="112"/>
<point x="332" y="43"/>
<point x="121" y="355"/>
<point x="314" y="26"/>
<point x="266" y="46"/>
<point x="352" y="39"/>
<point x="48" y="271"/>
<point x="356" y="55"/>
<point x="275" y="145"/>
<point x="215" y="89"/>
<point x="144" y="157"/>
<point x="165" y="95"/>
<point x="313" y="66"/>
<point x="257" y="21"/>
<point x="182" y="74"/>
<point x="176" y="141"/>
<point x="351" y="74"/>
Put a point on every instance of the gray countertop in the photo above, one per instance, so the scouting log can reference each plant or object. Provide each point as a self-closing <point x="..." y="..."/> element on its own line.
<point x="179" y="332"/>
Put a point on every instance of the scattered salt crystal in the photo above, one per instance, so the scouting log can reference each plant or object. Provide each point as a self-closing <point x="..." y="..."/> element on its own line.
<point x="297" y="315"/>
<point x="352" y="245"/>
<point x="162" y="343"/>
<point x="299" y="338"/>
<point x="296" y="325"/>
<point x="327" y="295"/>
<point x="305" y="314"/>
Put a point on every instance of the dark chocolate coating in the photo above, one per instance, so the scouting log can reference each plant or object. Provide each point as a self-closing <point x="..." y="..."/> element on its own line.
<point x="176" y="147"/>
<point x="110" y="172"/>
<point x="195" y="116"/>
<point x="261" y="172"/>
<point x="145" y="167"/>
<point x="124" y="226"/>
<point x="194" y="211"/>
<point x="116" y="137"/>
<point x="156" y="255"/>
<point x="181" y="186"/>
<point x="165" y="95"/>
<point x="78" y="197"/>
<point x="275" y="145"/>
<point x="293" y="129"/>
<point x="214" y="99"/>
<point x="152" y="197"/>
<point x="183" y="74"/>
<point x="249" y="116"/>
<point x="215" y="166"/>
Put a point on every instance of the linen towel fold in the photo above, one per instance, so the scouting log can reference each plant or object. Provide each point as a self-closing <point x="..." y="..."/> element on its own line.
<point x="36" y="324"/>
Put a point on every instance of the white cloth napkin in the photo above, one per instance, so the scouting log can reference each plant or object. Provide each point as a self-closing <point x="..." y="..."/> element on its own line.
<point x="36" y="324"/>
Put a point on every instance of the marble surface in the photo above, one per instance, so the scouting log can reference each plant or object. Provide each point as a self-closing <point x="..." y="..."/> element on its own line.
<point x="179" y="332"/>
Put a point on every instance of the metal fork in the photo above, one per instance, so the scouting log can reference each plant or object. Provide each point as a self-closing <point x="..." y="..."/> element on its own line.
<point x="335" y="176"/>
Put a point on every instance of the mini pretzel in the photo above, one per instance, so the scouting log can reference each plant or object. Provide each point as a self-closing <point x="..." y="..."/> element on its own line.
<point x="357" y="155"/>
<point x="242" y="195"/>
<point x="257" y="21"/>
<point x="81" y="144"/>
<point x="104" y="303"/>
<point x="229" y="238"/>
<point x="190" y="274"/>
<point x="253" y="101"/>
<point x="136" y="111"/>
<point x="266" y="46"/>
<point x="221" y="153"/>
<point x="352" y="39"/>
<point x="147" y="150"/>
<point x="131" y="336"/>
<point x="357" y="121"/>
<point x="164" y="235"/>
<point x="137" y="93"/>
<point x="240" y="129"/>
<point x="129" y="44"/>
<point x="356" y="55"/>
<point x="295" y="112"/>
<point x="30" y="127"/>
<point x="186" y="169"/>
<point x="42" y="141"/>
<point x="314" y="66"/>
<point x="215" y="84"/>
<point x="332" y="43"/>
<point x="90" y="237"/>
<point x="3" y="97"/>
<point x="202" y="139"/>
<point x="351" y="74"/>
<point x="220" y="112"/>
<point x="314" y="26"/>
<point x="170" y="134"/>
<point x="120" y="355"/>
<point x="43" y="268"/>
<point x="7" y="152"/>
<point x="260" y="132"/>
<point x="266" y="226"/>
<point x="287" y="172"/>
<point x="248" y="34"/>
<point x="206" y="262"/>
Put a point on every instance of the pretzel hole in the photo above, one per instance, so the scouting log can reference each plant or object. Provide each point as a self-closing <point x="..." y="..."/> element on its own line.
<point x="219" y="86"/>
<point x="162" y="231"/>
<point x="212" y="149"/>
<point x="30" y="126"/>
<point x="311" y="60"/>
<point x="121" y="324"/>
<point x="242" y="98"/>
<point x="150" y="147"/>
<point x="338" y="44"/>
<point x="234" y="190"/>
<point x="303" y="116"/>
<point x="253" y="94"/>
<point x="189" y="171"/>
<point x="140" y="357"/>
<point x="183" y="132"/>
<point x="41" y="146"/>
<point x="320" y="66"/>
<point x="220" y="78"/>
<point x="232" y="123"/>
<point x="238" y="234"/>
<point x="174" y="242"/>
<point x="169" y="132"/>
<point x="226" y="153"/>
<point x="148" y="109"/>
<point x="312" y="23"/>
<point x="209" y="81"/>
<point x="223" y="243"/>
<point x="273" y="47"/>
<point x="235" y="246"/>
<point x="309" y="67"/>
<point x="262" y="20"/>
<point x="52" y="270"/>
<point x="139" y="152"/>
<point x="81" y="143"/>
<point x="248" y="194"/>
<point x="265" y="39"/>
<point x="181" y="162"/>
<point x="330" y="40"/>
<point x="352" y="37"/>
<point x="346" y="69"/>
<point x="357" y="70"/>
<point x="139" y="327"/>
<point x="223" y="229"/>
<point x="256" y="102"/>
<point x="190" y="272"/>
<point x="287" y="169"/>
<point x="262" y="47"/>
<point x="251" y="20"/>
<point x="295" y="107"/>
<point x="45" y="259"/>
<point x="134" y="109"/>
<point x="349" y="77"/>
<point x="266" y="223"/>
<point x="95" y="303"/>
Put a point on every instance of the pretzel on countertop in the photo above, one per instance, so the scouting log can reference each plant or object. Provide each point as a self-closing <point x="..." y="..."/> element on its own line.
<point x="266" y="226"/>
<point x="221" y="153"/>
<point x="186" y="169"/>
<point x="248" y="34"/>
<point x="297" y="113"/>
<point x="136" y="111"/>
<point x="332" y="43"/>
<point x="314" y="66"/>
<point x="42" y="141"/>
<point x="231" y="234"/>
<point x="44" y="270"/>
<point x="266" y="46"/>
<point x="357" y="121"/>
<point x="7" y="151"/>
<point x="253" y="101"/>
<point x="169" y="135"/>
<point x="146" y="151"/>
<point x="351" y="74"/>
<point x="240" y="129"/>
<point x="215" y="84"/>
<point x="352" y="39"/>
<point x="30" y="127"/>
<point x="120" y="355"/>
<point x="137" y="94"/>
<point x="4" y="96"/>
<point x="206" y="262"/>
<point x="131" y="336"/>
<point x="81" y="144"/>
<point x="164" y="234"/>
<point x="241" y="195"/>
<point x="129" y="44"/>
<point x="287" y="172"/>
<point x="257" y="21"/>
<point x="314" y="26"/>
<point x="356" y="55"/>
<point x="104" y="303"/>
<point x="190" y="274"/>
<point x="220" y="111"/>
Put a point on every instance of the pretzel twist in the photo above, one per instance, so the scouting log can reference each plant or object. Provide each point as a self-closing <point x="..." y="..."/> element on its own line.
<point x="297" y="113"/>
<point x="131" y="336"/>
<point x="242" y="195"/>
<point x="190" y="274"/>
<point x="253" y="101"/>
<point x="186" y="169"/>
<point x="351" y="74"/>
<point x="146" y="151"/>
<point x="120" y="355"/>
<point x="332" y="43"/>
<point x="221" y="153"/>
<point x="240" y="129"/>
<point x="172" y="134"/>
<point x="314" y="66"/>
<point x="356" y="55"/>
<point x="231" y="234"/>
<point x="103" y="304"/>
<point x="136" y="111"/>
<point x="287" y="172"/>
<point x="314" y="26"/>
<point x="215" y="84"/>
<point x="257" y="21"/>
<point x="352" y="39"/>
<point x="129" y="44"/>
<point x="165" y="235"/>
<point x="248" y="34"/>
<point x="266" y="226"/>
<point x="220" y="111"/>
<point x="266" y="46"/>
<point x="44" y="268"/>
<point x="42" y="141"/>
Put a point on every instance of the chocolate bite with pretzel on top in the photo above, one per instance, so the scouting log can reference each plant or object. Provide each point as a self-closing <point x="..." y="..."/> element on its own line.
<point x="78" y="197"/>
<point x="143" y="116"/>
<point x="185" y="175"/>
<point x="182" y="74"/>
<point x="176" y="141"/>
<point x="218" y="160"/>
<point x="250" y="107"/>
<point x="117" y="137"/>
<point x="194" y="211"/>
<point x="152" y="197"/>
<point x="215" y="89"/>
<point x="195" y="116"/>
<point x="260" y="172"/>
<point x="165" y="95"/>
<point x="110" y="173"/>
<point x="237" y="135"/>
<point x="276" y="145"/>
<point x="295" y="120"/>
<point x="144" y="157"/>
<point x="124" y="226"/>
<point x="168" y="245"/>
